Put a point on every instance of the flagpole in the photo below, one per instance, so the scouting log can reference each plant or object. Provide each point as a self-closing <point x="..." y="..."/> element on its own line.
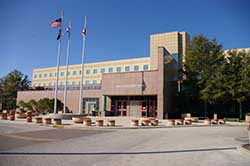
<point x="57" y="68"/>
<point x="67" y="63"/>
<point x="83" y="56"/>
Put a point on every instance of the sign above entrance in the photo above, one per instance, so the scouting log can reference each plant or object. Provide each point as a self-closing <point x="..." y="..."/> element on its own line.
<point x="129" y="86"/>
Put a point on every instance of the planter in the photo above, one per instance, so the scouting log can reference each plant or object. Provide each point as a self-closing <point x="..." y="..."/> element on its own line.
<point x="29" y="119"/>
<point x="154" y="122"/>
<point x="195" y="119"/>
<point x="134" y="122"/>
<point x="111" y="123"/>
<point x="170" y="122"/>
<point x="47" y="120"/>
<point x="77" y="119"/>
<point x="29" y="113"/>
<point x="145" y="121"/>
<point x="178" y="121"/>
<point x="38" y="120"/>
<point x="207" y="121"/>
<point x="11" y="117"/>
<point x="99" y="122"/>
<point x="214" y="121"/>
<point x="87" y="122"/>
<point x="247" y="118"/>
<point x="221" y="121"/>
<point x="57" y="121"/>
<point x="187" y="122"/>
<point x="20" y="115"/>
<point x="4" y="116"/>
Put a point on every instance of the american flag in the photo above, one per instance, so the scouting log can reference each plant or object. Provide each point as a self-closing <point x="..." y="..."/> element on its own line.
<point x="84" y="31"/>
<point x="56" y="23"/>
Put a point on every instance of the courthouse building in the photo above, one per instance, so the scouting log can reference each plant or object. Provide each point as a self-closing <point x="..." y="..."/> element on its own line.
<point x="139" y="87"/>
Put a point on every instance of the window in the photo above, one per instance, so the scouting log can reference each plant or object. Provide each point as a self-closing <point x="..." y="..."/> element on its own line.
<point x="61" y="83"/>
<point x="175" y="56"/>
<point x="34" y="84"/>
<point x="95" y="71"/>
<point x="102" y="70"/>
<point x="44" y="84"/>
<point x="88" y="72"/>
<point x="55" y="74"/>
<point x="87" y="82"/>
<point x="110" y="70"/>
<point x="39" y="84"/>
<point x="145" y="67"/>
<point x="118" y="69"/>
<point x="45" y="75"/>
<point x="35" y="76"/>
<point x="73" y="82"/>
<point x="136" y="68"/>
<point x="94" y="81"/>
<point x="40" y="75"/>
<point x="50" y="84"/>
<point x="68" y="83"/>
<point x="127" y="68"/>
<point x="80" y="72"/>
<point x="62" y="74"/>
<point x="50" y="74"/>
<point x="74" y="73"/>
<point x="68" y="73"/>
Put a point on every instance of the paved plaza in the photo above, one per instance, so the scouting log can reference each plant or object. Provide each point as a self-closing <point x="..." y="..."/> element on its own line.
<point x="32" y="144"/>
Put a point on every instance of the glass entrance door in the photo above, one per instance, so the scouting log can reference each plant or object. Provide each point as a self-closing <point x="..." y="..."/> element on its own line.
<point x="122" y="107"/>
<point x="134" y="107"/>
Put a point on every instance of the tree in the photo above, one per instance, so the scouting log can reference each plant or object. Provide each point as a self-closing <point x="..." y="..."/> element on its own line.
<point x="202" y="60"/>
<point x="9" y="85"/>
<point x="46" y="105"/>
<point x="236" y="76"/>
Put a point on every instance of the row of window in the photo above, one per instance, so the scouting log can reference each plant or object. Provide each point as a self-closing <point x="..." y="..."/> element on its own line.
<point x="95" y="71"/>
<point x="68" y="83"/>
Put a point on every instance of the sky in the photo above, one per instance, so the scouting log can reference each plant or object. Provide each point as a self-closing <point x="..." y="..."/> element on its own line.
<point x="116" y="29"/>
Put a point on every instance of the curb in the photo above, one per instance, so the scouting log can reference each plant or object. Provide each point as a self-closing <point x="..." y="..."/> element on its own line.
<point x="243" y="150"/>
